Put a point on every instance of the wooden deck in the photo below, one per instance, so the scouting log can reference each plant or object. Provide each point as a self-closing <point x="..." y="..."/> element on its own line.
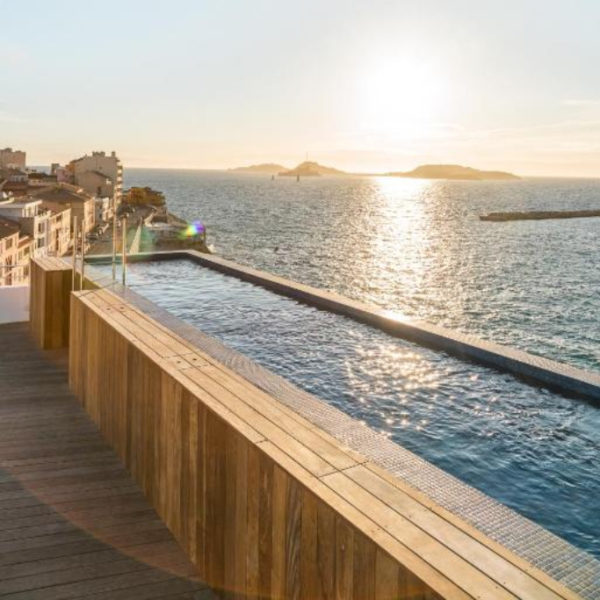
<point x="73" y="524"/>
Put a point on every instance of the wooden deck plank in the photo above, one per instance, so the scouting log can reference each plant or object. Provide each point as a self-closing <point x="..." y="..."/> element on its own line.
<point x="73" y="524"/>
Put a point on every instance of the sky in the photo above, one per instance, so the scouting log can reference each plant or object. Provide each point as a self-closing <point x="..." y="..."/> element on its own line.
<point x="369" y="86"/>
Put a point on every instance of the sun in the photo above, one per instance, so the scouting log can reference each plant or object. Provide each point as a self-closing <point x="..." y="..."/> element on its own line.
<point x="401" y="95"/>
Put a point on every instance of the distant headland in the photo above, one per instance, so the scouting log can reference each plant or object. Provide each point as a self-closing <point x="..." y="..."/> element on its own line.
<point x="314" y="169"/>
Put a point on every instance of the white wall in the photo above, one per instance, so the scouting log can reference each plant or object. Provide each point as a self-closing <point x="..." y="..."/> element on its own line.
<point x="14" y="303"/>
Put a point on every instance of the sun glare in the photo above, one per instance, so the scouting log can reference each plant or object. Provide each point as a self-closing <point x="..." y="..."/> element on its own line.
<point x="401" y="96"/>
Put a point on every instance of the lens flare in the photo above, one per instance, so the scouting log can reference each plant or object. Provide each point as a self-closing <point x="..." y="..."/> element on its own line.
<point x="193" y="229"/>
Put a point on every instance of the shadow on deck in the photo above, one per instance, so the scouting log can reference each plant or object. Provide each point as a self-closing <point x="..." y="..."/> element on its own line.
<point x="73" y="524"/>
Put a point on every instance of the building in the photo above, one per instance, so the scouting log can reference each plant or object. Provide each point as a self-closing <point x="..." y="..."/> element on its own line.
<point x="40" y="179"/>
<point x="12" y="159"/>
<point x="14" y="180"/>
<point x="15" y="251"/>
<point x="103" y="209"/>
<point x="63" y="195"/>
<point x="62" y="174"/>
<point x="97" y="184"/>
<point x="59" y="239"/>
<point x="32" y="218"/>
<point x="99" y="174"/>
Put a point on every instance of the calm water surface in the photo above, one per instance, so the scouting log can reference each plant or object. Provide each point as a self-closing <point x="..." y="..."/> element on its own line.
<point x="531" y="449"/>
<point x="417" y="247"/>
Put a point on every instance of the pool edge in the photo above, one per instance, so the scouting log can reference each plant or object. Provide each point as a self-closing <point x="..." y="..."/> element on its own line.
<point x="557" y="376"/>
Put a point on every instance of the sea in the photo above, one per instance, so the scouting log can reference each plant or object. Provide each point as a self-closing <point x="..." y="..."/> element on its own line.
<point x="416" y="247"/>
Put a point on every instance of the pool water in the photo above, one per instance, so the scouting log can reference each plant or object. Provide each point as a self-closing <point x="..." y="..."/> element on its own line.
<point x="531" y="449"/>
<point x="416" y="246"/>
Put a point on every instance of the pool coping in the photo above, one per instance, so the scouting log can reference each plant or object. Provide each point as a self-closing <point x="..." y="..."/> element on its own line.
<point x="557" y="376"/>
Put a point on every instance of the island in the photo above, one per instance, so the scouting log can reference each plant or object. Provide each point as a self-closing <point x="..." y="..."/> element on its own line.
<point x="453" y="172"/>
<point x="311" y="169"/>
<point x="268" y="168"/>
<point x="314" y="169"/>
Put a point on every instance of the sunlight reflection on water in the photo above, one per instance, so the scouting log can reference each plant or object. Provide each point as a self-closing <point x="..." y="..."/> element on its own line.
<point x="417" y="247"/>
<point x="527" y="447"/>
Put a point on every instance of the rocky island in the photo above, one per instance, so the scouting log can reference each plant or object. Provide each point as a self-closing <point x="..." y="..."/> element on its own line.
<point x="314" y="169"/>
<point x="453" y="172"/>
<point x="311" y="169"/>
<point x="268" y="168"/>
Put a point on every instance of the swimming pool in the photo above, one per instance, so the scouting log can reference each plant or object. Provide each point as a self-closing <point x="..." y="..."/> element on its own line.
<point x="527" y="447"/>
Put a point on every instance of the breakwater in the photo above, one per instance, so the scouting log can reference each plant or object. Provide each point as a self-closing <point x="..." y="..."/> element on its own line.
<point x="539" y="215"/>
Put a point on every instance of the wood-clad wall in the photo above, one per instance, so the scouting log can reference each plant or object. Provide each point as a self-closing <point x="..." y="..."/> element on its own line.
<point x="252" y="529"/>
<point x="50" y="287"/>
<point x="266" y="504"/>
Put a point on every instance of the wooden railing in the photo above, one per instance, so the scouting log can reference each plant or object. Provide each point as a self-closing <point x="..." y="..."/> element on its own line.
<point x="266" y="504"/>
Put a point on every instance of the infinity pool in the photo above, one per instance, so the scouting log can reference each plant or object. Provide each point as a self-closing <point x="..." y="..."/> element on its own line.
<point x="527" y="447"/>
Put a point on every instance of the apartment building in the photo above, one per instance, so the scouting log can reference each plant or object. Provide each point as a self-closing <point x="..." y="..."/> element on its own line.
<point x="59" y="238"/>
<point x="39" y="179"/>
<point x="103" y="209"/>
<point x="99" y="174"/>
<point x="64" y="195"/>
<point x="14" y="180"/>
<point x="15" y="251"/>
<point x="32" y="218"/>
<point x="12" y="159"/>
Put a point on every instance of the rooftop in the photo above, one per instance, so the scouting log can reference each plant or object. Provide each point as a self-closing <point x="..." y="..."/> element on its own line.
<point x="73" y="521"/>
<point x="7" y="228"/>
<point x="62" y="193"/>
<point x="19" y="202"/>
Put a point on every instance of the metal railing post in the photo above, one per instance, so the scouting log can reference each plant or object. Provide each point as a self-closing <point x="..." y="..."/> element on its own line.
<point x="124" y="249"/>
<point x="114" y="244"/>
<point x="82" y="251"/>
<point x="75" y="233"/>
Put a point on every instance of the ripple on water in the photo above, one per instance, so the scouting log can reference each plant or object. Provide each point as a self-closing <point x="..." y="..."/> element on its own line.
<point x="529" y="448"/>
<point x="418" y="247"/>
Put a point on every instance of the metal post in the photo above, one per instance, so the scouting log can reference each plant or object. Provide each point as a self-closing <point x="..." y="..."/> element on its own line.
<point x="75" y="232"/>
<point x="82" y="251"/>
<point x="114" y="244"/>
<point x="124" y="249"/>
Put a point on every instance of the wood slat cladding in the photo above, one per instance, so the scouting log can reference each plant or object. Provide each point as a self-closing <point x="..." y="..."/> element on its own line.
<point x="266" y="504"/>
<point x="50" y="287"/>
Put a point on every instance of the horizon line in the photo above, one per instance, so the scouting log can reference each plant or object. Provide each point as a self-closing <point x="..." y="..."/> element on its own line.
<point x="344" y="173"/>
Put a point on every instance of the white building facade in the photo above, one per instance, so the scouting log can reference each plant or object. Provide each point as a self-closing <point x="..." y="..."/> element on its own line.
<point x="14" y="254"/>
<point x="33" y="219"/>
